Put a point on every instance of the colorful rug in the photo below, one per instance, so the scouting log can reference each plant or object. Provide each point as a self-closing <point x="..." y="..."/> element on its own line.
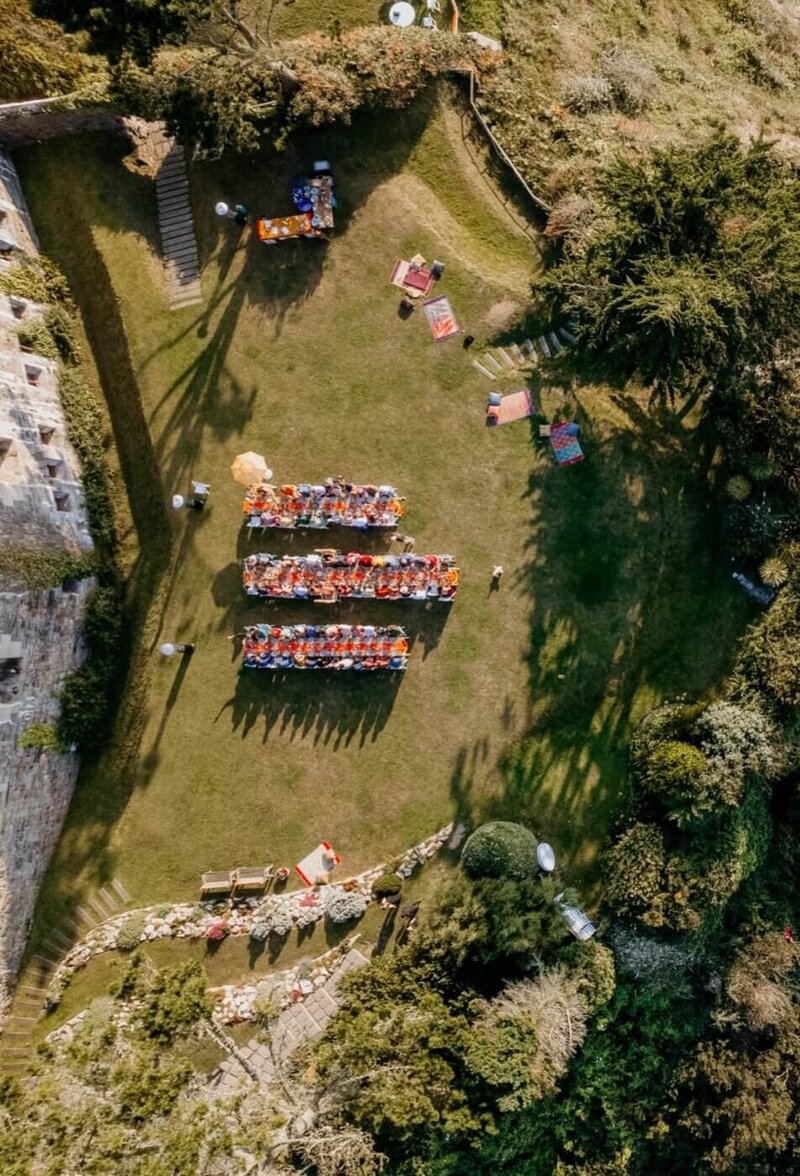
<point x="515" y="407"/>
<point x="566" y="446"/>
<point x="440" y="317"/>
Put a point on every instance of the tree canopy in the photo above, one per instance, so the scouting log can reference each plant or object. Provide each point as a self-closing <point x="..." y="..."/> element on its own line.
<point x="690" y="271"/>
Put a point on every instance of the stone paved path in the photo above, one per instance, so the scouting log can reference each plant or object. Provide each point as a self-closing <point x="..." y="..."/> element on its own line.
<point x="299" y="1023"/>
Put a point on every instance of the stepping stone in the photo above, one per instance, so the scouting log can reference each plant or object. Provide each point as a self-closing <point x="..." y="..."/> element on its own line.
<point x="119" y="889"/>
<point x="506" y="358"/>
<point x="457" y="836"/>
<point x="87" y="916"/>
<point x="484" y="371"/>
<point x="565" y="335"/>
<point x="518" y="356"/>
<point x="543" y="344"/>
<point x="108" y="899"/>
<point x="556" y="342"/>
<point x="492" y="362"/>
<point x="8" y="1036"/>
<point x="530" y="350"/>
<point x="45" y="962"/>
<point x="97" y="908"/>
<point x="62" y="939"/>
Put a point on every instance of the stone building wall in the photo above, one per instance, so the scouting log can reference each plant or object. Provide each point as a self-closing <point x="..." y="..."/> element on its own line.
<point x="41" y="506"/>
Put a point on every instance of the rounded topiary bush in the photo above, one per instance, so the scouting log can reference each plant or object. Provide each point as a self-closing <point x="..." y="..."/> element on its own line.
<point x="387" y="884"/>
<point x="500" y="849"/>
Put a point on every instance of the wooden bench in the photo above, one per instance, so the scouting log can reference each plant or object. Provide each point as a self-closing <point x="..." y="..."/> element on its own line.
<point x="252" y="877"/>
<point x="216" y="882"/>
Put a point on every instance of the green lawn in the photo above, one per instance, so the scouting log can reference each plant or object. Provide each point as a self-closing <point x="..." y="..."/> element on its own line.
<point x="516" y="702"/>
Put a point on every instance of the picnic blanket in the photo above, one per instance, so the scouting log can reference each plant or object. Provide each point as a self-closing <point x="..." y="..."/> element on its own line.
<point x="515" y="407"/>
<point x="566" y="446"/>
<point x="440" y="317"/>
<point x="415" y="282"/>
<point x="317" y="862"/>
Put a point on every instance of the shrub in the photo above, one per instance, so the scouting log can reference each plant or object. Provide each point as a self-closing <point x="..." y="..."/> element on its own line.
<point x="175" y="1001"/>
<point x="148" y="1085"/>
<point x="631" y="80"/>
<point x="670" y="721"/>
<point x="752" y="526"/>
<point x="591" y="968"/>
<point x="587" y="95"/>
<point x="42" y="736"/>
<point x="568" y="216"/>
<point x="387" y="884"/>
<point x="35" y="337"/>
<point x="633" y="867"/>
<point x="738" y="741"/>
<point x="344" y="906"/>
<point x="675" y="773"/>
<point x="774" y="572"/>
<point x="59" y="326"/>
<point x="86" y="431"/>
<point x="738" y="488"/>
<point x="130" y="932"/>
<point x="87" y="692"/>
<point x="500" y="849"/>
<point x="307" y="917"/>
<point x="761" y="468"/>
<point x="769" y="661"/>
<point x="273" y="917"/>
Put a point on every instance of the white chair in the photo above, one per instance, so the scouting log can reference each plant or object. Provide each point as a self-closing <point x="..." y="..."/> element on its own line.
<point x="433" y="5"/>
<point x="428" y="23"/>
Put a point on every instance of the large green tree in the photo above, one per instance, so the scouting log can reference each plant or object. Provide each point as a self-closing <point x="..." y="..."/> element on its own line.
<point x="692" y="269"/>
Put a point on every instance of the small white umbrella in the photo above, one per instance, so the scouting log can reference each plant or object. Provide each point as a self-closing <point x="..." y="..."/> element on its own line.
<point x="250" y="467"/>
<point x="221" y="208"/>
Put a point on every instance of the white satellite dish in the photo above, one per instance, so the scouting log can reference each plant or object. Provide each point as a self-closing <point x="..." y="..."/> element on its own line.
<point x="545" y="857"/>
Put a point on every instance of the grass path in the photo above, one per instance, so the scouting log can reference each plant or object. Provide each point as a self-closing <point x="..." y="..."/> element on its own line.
<point x="517" y="702"/>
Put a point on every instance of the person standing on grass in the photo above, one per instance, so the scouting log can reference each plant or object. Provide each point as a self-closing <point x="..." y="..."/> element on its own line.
<point x="497" y="572"/>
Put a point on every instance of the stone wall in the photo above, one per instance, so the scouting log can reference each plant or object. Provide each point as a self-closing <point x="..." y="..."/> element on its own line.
<point x="31" y="122"/>
<point x="41" y="506"/>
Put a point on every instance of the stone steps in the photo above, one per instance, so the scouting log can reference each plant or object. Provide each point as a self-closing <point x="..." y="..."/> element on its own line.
<point x="179" y="244"/>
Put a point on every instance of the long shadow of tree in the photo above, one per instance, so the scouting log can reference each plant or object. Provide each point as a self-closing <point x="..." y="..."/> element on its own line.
<point x="630" y="604"/>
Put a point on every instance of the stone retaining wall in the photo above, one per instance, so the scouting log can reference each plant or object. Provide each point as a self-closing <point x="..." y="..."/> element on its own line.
<point x="41" y="506"/>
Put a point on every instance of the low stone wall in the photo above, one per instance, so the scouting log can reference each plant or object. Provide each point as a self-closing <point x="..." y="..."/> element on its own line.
<point x="299" y="908"/>
<point x="31" y="122"/>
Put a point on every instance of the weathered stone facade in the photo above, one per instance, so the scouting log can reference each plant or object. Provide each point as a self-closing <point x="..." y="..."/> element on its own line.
<point x="41" y="506"/>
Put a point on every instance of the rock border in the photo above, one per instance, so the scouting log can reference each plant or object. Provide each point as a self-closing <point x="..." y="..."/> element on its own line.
<point x="296" y="908"/>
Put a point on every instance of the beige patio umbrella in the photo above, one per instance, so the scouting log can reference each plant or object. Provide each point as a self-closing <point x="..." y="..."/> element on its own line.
<point x="250" y="467"/>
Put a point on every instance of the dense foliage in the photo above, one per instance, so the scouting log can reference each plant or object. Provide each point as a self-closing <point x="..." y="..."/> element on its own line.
<point x="230" y="100"/>
<point x="38" y="59"/>
<point x="691" y="272"/>
<point x="136" y="27"/>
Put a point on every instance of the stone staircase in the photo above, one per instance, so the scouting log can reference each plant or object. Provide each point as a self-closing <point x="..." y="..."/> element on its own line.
<point x="16" y="1038"/>
<point x="181" y="263"/>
